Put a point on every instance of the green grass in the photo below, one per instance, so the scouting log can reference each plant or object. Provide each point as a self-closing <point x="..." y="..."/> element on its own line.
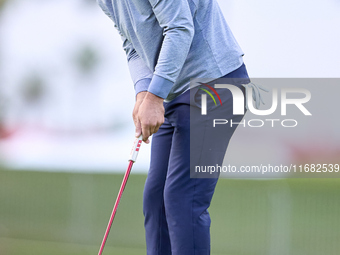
<point x="66" y="213"/>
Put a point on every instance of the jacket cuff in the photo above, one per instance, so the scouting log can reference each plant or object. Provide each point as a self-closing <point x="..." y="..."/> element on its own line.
<point x="142" y="85"/>
<point x="160" y="86"/>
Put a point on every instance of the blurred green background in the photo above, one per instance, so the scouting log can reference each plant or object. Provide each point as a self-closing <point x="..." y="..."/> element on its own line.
<point x="66" y="213"/>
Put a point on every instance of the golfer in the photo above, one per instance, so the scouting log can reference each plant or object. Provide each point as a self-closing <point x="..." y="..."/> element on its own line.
<point x="168" y="42"/>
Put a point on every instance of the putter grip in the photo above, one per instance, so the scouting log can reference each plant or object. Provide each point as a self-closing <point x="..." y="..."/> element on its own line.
<point x="135" y="149"/>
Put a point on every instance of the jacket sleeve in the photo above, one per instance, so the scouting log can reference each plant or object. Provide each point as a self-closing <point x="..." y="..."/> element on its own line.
<point x="141" y="75"/>
<point x="175" y="18"/>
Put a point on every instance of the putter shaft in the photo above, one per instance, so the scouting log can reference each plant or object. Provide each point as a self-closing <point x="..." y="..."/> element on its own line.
<point x="132" y="159"/>
<point x="122" y="187"/>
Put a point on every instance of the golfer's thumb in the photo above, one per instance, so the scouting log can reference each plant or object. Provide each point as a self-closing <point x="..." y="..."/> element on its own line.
<point x="138" y="129"/>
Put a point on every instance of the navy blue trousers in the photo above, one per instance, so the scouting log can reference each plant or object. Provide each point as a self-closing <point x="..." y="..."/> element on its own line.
<point x="175" y="206"/>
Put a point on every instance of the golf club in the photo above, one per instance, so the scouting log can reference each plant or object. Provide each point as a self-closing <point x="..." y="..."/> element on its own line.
<point x="132" y="159"/>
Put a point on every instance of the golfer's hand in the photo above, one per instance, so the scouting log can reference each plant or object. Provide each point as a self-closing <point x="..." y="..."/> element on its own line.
<point x="148" y="114"/>
<point x="139" y="99"/>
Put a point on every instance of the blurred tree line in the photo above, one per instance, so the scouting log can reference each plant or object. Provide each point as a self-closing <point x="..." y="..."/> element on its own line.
<point x="2" y="4"/>
<point x="33" y="90"/>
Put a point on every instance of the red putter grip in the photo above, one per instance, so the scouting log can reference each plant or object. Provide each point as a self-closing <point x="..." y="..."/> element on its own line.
<point x="135" y="149"/>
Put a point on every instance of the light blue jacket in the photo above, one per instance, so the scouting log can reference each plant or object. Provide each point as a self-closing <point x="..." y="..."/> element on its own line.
<point x="167" y="42"/>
